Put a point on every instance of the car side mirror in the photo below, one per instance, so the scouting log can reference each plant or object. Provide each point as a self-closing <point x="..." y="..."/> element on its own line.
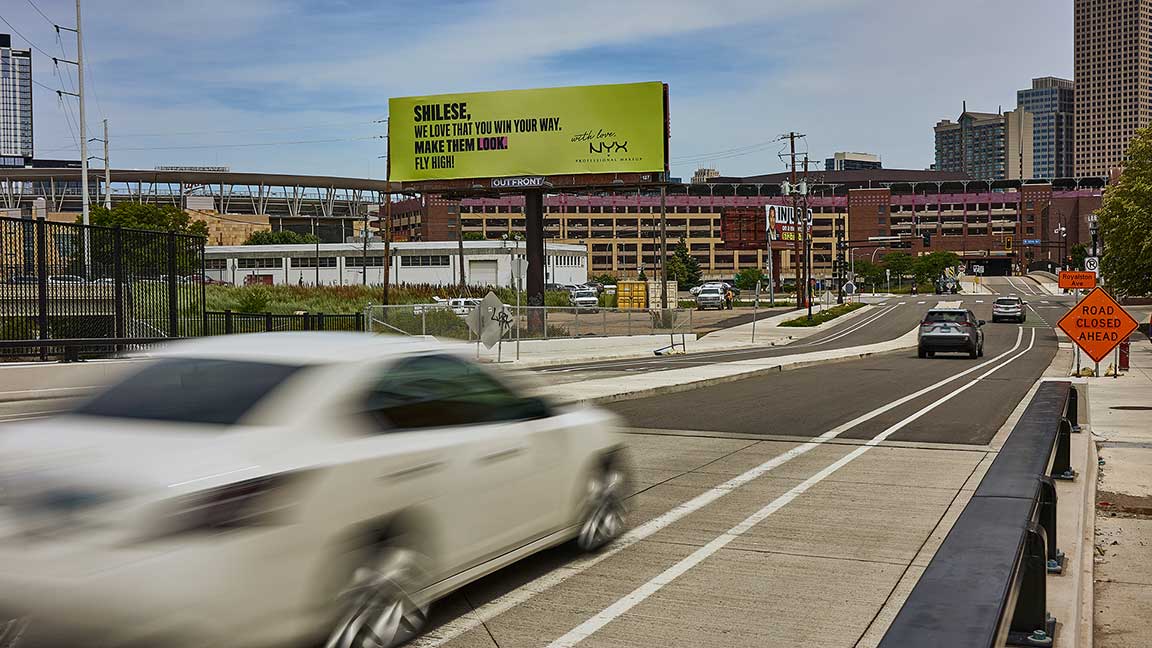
<point x="980" y="322"/>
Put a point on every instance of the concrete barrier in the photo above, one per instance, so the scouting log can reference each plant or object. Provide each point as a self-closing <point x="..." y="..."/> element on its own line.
<point x="40" y="380"/>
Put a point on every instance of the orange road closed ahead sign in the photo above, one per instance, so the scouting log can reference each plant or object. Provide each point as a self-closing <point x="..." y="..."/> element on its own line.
<point x="1074" y="280"/>
<point x="1097" y="324"/>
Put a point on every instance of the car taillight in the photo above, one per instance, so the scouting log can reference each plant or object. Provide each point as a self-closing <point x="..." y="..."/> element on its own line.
<point x="926" y="323"/>
<point x="253" y="502"/>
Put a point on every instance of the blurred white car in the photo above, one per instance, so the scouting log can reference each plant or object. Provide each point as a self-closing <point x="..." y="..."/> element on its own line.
<point x="273" y="489"/>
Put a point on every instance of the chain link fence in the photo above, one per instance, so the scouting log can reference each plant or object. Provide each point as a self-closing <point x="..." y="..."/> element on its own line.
<point x="558" y="322"/>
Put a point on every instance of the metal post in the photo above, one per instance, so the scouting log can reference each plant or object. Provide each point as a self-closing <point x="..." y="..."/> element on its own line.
<point x="1030" y="618"/>
<point x="83" y="141"/>
<point x="755" y="309"/>
<point x="534" y="234"/>
<point x="107" y="172"/>
<point x="172" y="303"/>
<point x="229" y="325"/>
<point x="1073" y="409"/>
<point x="1047" y="516"/>
<point x="118" y="279"/>
<point x="424" y="321"/>
<point x="387" y="246"/>
<point x="42" y="282"/>
<point x="663" y="249"/>
<point x="796" y="254"/>
<point x="1061" y="462"/>
<point x="771" y="274"/>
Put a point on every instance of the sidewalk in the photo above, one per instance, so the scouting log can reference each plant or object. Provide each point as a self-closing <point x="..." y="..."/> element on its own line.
<point x="769" y="333"/>
<point x="1119" y="411"/>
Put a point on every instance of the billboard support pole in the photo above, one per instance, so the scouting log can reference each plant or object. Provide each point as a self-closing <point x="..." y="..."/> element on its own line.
<point x="534" y="250"/>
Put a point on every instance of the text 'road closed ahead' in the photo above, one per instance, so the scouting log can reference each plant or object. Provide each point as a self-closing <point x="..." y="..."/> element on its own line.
<point x="1097" y="324"/>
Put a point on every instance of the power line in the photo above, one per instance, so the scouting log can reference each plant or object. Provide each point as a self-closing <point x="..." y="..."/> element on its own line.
<point x="50" y="21"/>
<point x="251" y="130"/>
<point x="25" y="38"/>
<point x="242" y="145"/>
<point x="721" y="152"/>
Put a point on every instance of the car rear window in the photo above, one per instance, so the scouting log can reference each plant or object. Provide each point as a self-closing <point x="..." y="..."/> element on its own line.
<point x="946" y="316"/>
<point x="1007" y="301"/>
<point x="190" y="390"/>
<point x="710" y="291"/>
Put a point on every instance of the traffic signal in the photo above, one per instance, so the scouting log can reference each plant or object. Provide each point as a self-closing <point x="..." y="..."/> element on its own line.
<point x="927" y="239"/>
<point x="1008" y="243"/>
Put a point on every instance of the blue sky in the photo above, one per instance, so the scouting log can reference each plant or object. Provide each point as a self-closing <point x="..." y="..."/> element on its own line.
<point x="299" y="86"/>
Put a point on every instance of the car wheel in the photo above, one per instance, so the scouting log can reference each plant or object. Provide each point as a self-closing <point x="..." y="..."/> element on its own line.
<point x="603" y="513"/>
<point x="931" y="354"/>
<point x="379" y="608"/>
<point x="921" y="353"/>
<point x="980" y="351"/>
<point x="974" y="351"/>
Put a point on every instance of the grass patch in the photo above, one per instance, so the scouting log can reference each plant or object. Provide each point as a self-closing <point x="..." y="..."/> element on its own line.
<point x="824" y="315"/>
<point x="345" y="299"/>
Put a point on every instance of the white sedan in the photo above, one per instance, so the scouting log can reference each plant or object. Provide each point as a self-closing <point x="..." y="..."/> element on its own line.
<point x="273" y="489"/>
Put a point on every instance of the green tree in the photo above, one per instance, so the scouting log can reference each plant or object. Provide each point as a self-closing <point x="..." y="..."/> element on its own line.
<point x="604" y="279"/>
<point x="1126" y="222"/>
<point x="683" y="267"/>
<point x="282" y="237"/>
<point x="473" y="236"/>
<point x="746" y="279"/>
<point x="868" y="273"/>
<point x="930" y="266"/>
<point x="134" y="215"/>
<point x="900" y="263"/>
<point x="144" y="255"/>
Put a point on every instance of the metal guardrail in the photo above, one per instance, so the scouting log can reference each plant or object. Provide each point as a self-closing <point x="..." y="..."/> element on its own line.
<point x="227" y="322"/>
<point x="986" y="585"/>
<point x="76" y="349"/>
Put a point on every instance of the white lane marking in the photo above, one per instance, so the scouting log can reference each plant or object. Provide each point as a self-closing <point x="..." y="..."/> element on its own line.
<point x="920" y="302"/>
<point x="1043" y="301"/>
<point x="979" y="301"/>
<point x="638" y="595"/>
<point x="852" y="328"/>
<point x="496" y="607"/>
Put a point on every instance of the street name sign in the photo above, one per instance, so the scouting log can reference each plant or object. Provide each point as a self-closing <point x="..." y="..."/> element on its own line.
<point x="1077" y="280"/>
<point x="1097" y="324"/>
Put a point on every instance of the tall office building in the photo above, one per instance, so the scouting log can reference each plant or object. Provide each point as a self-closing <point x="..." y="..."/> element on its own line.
<point x="974" y="144"/>
<point x="15" y="104"/>
<point x="1113" y="51"/>
<point x="845" y="161"/>
<point x="1051" y="102"/>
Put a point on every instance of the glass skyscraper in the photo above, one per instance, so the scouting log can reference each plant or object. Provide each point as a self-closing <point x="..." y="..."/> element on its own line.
<point x="15" y="104"/>
<point x="1051" y="102"/>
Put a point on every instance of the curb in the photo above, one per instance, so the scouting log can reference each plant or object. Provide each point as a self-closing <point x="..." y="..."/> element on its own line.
<point x="45" y="394"/>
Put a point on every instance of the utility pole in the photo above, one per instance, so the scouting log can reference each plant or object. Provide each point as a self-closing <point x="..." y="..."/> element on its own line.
<point x="796" y="256"/>
<point x="83" y="122"/>
<point x="460" y="246"/>
<point x="107" y="172"/>
<point x="803" y="221"/>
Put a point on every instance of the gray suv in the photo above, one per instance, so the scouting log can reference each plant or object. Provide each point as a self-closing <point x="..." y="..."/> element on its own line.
<point x="950" y="329"/>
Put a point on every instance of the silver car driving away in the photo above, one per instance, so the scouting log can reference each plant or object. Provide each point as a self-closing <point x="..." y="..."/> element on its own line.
<point x="950" y="329"/>
<point x="1008" y="308"/>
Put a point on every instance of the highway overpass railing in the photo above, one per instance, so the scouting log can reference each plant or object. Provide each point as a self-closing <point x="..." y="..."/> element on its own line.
<point x="559" y="322"/>
<point x="986" y="585"/>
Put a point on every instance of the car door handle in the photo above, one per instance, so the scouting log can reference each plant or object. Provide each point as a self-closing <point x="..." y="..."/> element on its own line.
<point x="412" y="471"/>
<point x="501" y="455"/>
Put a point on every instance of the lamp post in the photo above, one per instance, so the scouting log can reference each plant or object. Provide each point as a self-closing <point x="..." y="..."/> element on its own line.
<point x="1062" y="232"/>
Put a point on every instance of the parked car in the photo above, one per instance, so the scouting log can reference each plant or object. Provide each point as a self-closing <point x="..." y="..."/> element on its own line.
<point x="950" y="329"/>
<point x="1009" y="308"/>
<point x="463" y="305"/>
<point x="553" y="286"/>
<point x="332" y="481"/>
<point x="201" y="278"/>
<point x="710" y="297"/>
<point x="66" y="279"/>
<point x="584" y="298"/>
<point x="24" y="279"/>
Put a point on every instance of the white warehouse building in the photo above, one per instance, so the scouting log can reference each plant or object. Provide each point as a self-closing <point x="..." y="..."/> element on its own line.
<point x="486" y="263"/>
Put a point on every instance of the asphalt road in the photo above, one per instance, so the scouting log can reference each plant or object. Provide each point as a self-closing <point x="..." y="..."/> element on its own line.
<point x="770" y="511"/>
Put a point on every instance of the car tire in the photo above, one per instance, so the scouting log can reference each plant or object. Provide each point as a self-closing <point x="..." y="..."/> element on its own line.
<point x="379" y="607"/>
<point x="974" y="351"/>
<point x="921" y="353"/>
<point x="980" y="351"/>
<point x="603" y="514"/>
<point x="995" y="319"/>
<point x="931" y="354"/>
